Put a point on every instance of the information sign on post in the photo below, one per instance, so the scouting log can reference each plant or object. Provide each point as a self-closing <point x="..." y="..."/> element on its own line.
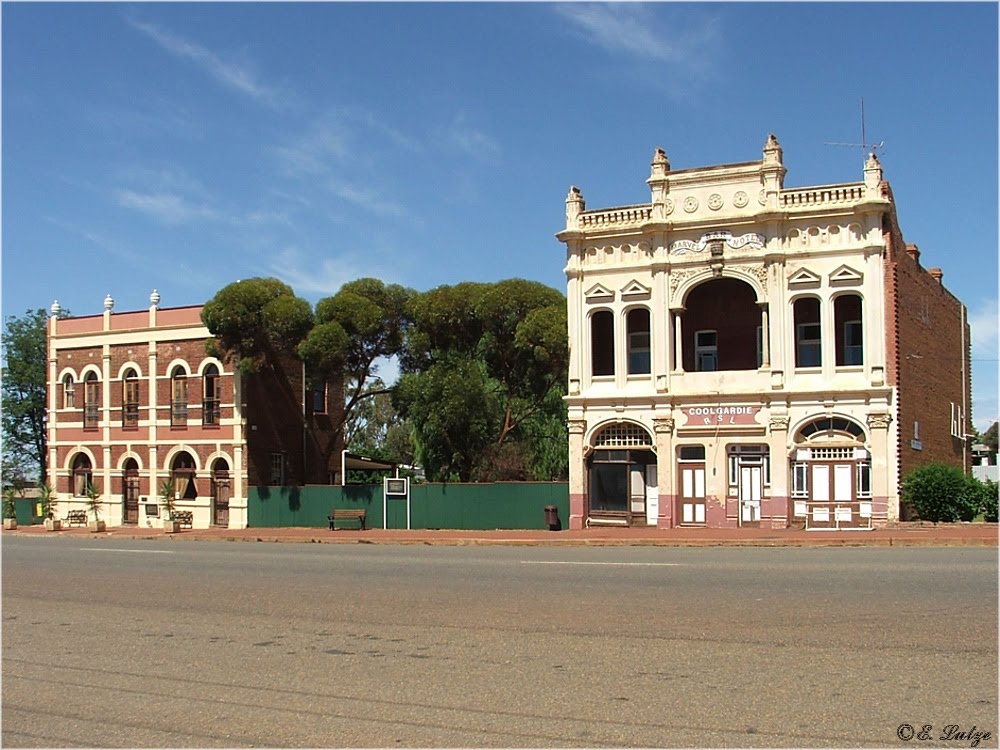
<point x="395" y="487"/>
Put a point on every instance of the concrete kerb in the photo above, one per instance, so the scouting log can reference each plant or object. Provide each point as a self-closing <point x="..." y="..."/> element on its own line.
<point x="959" y="535"/>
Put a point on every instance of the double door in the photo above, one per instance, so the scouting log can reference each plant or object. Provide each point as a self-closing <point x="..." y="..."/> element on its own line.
<point x="692" y="500"/>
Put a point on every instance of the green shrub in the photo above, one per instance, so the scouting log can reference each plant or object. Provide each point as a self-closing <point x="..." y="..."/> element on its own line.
<point x="988" y="499"/>
<point x="942" y="493"/>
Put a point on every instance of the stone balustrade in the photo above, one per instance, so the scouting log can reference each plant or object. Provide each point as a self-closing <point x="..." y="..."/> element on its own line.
<point x="622" y="216"/>
<point x="822" y="195"/>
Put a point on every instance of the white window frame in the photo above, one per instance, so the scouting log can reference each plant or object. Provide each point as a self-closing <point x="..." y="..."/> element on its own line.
<point x="864" y="479"/>
<point x="707" y="350"/>
<point x="800" y="479"/>
<point x="858" y="349"/>
<point x="801" y="343"/>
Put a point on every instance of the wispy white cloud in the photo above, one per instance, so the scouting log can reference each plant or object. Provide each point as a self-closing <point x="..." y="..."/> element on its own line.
<point x="643" y="34"/>
<point x="233" y="75"/>
<point x="470" y="140"/>
<point x="167" y="208"/>
<point x="319" y="278"/>
<point x="366" y="198"/>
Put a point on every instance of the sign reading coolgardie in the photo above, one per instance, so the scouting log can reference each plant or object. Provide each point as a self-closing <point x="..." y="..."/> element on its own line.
<point x="720" y="416"/>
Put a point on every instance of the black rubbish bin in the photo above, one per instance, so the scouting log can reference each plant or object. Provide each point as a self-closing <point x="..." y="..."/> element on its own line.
<point x="552" y="518"/>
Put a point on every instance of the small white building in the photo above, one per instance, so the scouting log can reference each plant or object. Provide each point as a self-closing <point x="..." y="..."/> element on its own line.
<point x="746" y="354"/>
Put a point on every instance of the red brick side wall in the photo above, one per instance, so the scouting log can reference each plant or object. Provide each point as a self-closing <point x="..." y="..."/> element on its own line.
<point x="929" y="351"/>
<point x="279" y="419"/>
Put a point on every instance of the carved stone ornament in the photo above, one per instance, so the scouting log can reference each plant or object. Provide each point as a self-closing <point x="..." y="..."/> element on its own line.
<point x="663" y="425"/>
<point x="740" y="199"/>
<point x="668" y="206"/>
<point x="577" y="426"/>
<point x="676" y="279"/>
<point x="762" y="197"/>
<point x="879" y="421"/>
<point x="778" y="424"/>
<point x="760" y="272"/>
<point x="750" y="239"/>
<point x="715" y="201"/>
<point x="690" y="204"/>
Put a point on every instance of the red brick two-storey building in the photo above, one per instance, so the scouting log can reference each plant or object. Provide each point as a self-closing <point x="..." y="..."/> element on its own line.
<point x="135" y="400"/>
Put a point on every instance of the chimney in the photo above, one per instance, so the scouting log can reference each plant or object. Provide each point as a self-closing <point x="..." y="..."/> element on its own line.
<point x="937" y="274"/>
<point x="914" y="252"/>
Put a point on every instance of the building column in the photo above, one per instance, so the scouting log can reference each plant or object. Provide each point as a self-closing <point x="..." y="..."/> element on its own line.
<point x="765" y="338"/>
<point x="678" y="341"/>
<point x="577" y="475"/>
<point x="663" y="429"/>
<point x="885" y="499"/>
<point x="779" y="505"/>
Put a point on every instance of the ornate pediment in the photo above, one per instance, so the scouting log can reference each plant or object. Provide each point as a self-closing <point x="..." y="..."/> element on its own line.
<point x="599" y="293"/>
<point x="634" y="290"/>
<point x="846" y="275"/>
<point x="804" y="277"/>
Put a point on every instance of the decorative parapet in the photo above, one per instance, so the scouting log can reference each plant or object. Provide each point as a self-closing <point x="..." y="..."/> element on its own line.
<point x="822" y="195"/>
<point x="616" y="217"/>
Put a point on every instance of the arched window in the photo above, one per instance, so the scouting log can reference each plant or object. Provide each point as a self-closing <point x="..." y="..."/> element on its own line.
<point x="130" y="399"/>
<point x="178" y="397"/>
<point x="182" y="473"/>
<point x="602" y="343"/>
<point x="212" y="396"/>
<point x="91" y="401"/>
<point x="849" y="330"/>
<point x="808" y="341"/>
<point x="83" y="475"/>
<point x="639" y="351"/>
<point x="69" y="392"/>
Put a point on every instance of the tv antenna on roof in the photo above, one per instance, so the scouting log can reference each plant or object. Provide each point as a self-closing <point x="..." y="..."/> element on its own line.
<point x="865" y="146"/>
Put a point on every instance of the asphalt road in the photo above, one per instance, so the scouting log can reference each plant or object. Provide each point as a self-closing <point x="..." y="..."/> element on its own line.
<point x="119" y="643"/>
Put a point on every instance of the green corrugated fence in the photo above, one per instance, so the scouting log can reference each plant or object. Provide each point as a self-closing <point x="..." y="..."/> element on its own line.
<point x="503" y="505"/>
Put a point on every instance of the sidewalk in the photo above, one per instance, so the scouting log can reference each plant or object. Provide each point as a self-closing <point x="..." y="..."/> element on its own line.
<point x="899" y="535"/>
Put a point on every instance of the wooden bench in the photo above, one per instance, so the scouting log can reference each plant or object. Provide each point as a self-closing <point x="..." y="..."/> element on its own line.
<point x="76" y="518"/>
<point x="184" y="518"/>
<point x="340" y="514"/>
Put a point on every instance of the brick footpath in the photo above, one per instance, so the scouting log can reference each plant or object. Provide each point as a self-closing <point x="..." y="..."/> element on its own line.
<point x="900" y="535"/>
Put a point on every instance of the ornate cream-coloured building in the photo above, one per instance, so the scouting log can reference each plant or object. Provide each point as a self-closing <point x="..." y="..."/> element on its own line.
<point x="746" y="354"/>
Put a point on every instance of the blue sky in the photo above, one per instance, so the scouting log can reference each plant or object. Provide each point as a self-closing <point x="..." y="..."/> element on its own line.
<point x="184" y="146"/>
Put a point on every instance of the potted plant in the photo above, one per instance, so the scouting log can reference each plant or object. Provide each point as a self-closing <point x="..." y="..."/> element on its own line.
<point x="47" y="501"/>
<point x="9" y="510"/>
<point x="94" y="503"/>
<point x="170" y="525"/>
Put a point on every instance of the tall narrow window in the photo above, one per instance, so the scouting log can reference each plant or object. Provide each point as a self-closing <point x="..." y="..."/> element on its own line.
<point x="210" y="410"/>
<point x="82" y="475"/>
<point x="602" y="343"/>
<point x="69" y="392"/>
<point x="639" y="353"/>
<point x="706" y="351"/>
<point x="130" y="400"/>
<point x="91" y="401"/>
<point x="277" y="469"/>
<point x="848" y="320"/>
<point x="808" y="340"/>
<point x="179" y="397"/>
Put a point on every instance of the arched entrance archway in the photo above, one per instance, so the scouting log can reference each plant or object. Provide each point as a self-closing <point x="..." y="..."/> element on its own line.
<point x="622" y="481"/>
<point x="831" y="474"/>
<point x="220" y="493"/>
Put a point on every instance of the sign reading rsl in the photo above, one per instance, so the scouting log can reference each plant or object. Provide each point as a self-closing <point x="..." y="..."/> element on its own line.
<point x="722" y="416"/>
